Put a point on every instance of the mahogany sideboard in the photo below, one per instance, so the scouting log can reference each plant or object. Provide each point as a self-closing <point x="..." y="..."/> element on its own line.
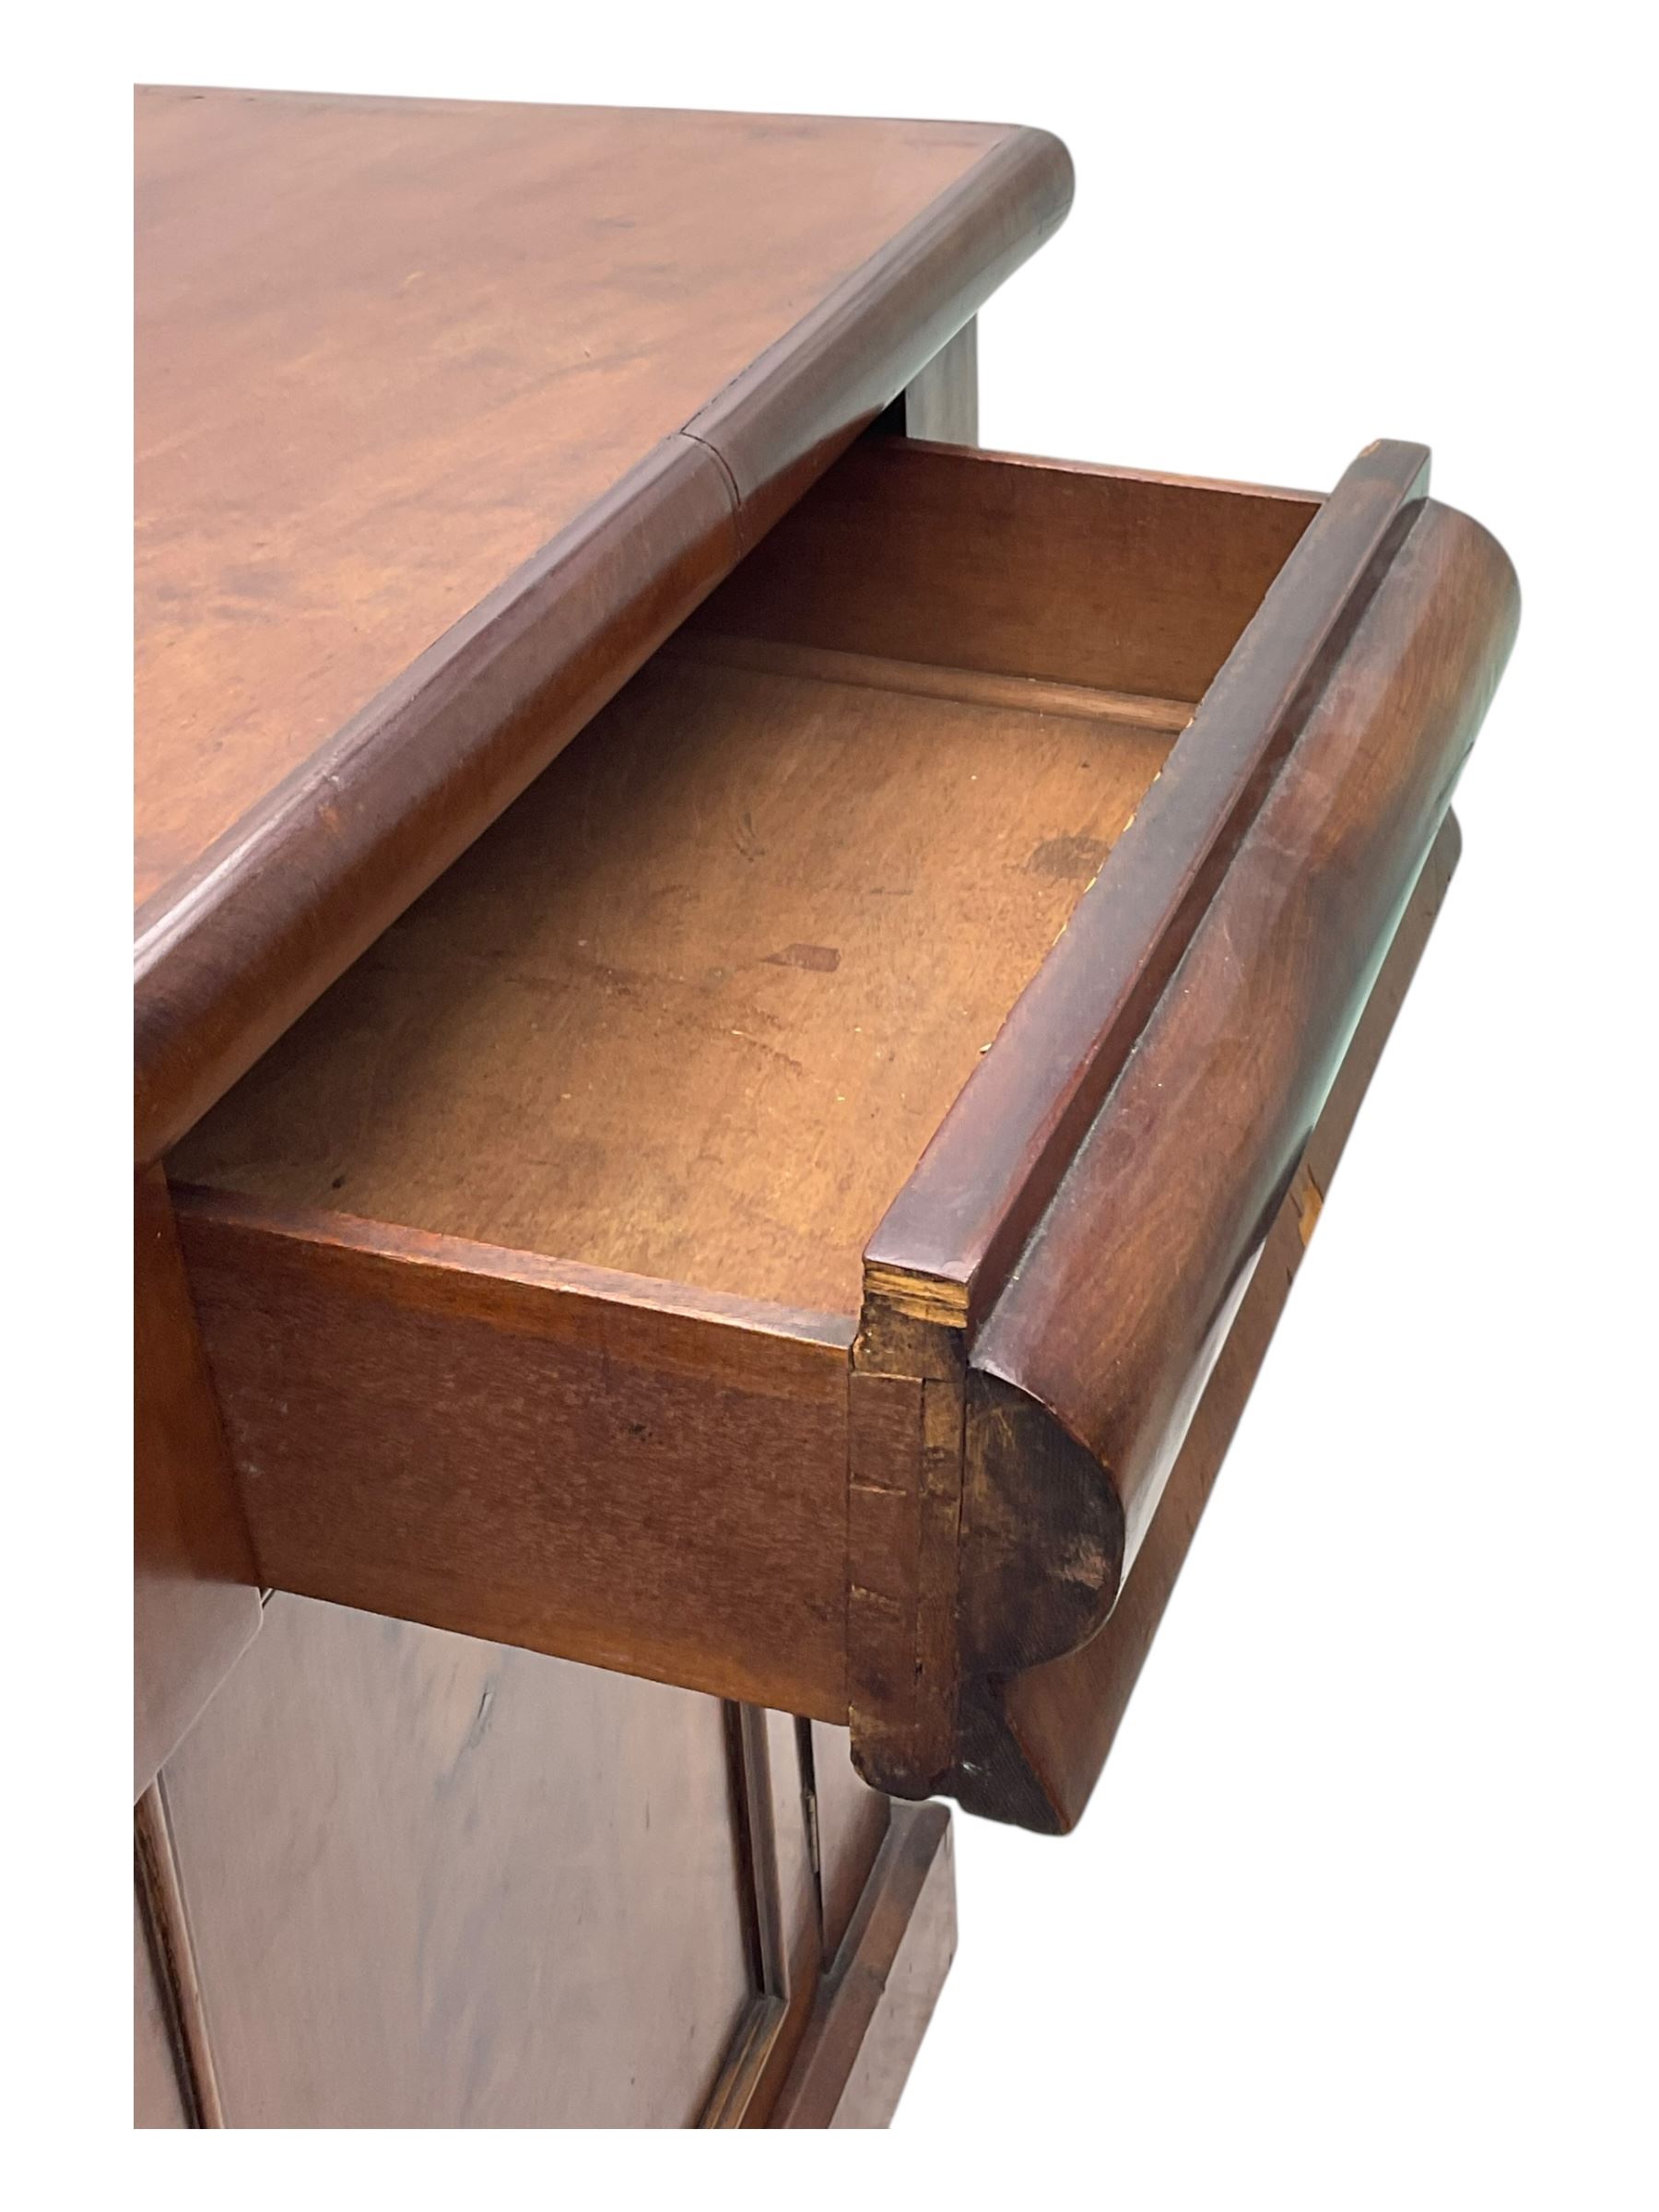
<point x="743" y="1012"/>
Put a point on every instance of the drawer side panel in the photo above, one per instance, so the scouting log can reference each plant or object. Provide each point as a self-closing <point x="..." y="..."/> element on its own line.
<point x="418" y="1431"/>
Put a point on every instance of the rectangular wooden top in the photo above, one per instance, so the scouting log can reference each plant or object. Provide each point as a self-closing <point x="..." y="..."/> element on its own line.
<point x="448" y="413"/>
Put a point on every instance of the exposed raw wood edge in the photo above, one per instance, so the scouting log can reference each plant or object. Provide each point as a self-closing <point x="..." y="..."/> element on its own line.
<point x="920" y="679"/>
<point x="884" y="1569"/>
<point x="997" y="1158"/>
<point x="904" y="1508"/>
<point x="918" y="1297"/>
<point x="875" y="2004"/>
<point x="229" y="955"/>
<point x="938" y="1561"/>
<point x="346" y="1234"/>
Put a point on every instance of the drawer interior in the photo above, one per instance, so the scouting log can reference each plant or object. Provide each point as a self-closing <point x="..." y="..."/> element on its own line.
<point x="695" y="1005"/>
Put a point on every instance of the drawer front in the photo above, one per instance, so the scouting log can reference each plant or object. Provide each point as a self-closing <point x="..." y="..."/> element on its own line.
<point x="773" y="1218"/>
<point x="1058" y="1720"/>
<point x="1047" y="1299"/>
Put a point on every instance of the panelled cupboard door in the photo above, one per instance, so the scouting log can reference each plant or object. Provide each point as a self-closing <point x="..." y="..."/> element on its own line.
<point x="435" y="1882"/>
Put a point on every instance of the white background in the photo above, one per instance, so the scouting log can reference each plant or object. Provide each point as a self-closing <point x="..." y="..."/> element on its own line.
<point x="1361" y="1912"/>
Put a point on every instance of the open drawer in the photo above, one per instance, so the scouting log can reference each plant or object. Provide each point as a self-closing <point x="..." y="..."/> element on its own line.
<point x="785" y="1214"/>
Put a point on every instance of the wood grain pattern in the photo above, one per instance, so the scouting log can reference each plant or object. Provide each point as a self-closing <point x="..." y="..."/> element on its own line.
<point x="694" y="1008"/>
<point x="195" y="1601"/>
<point x="1064" y="1717"/>
<point x="878" y="1997"/>
<point x="436" y="1883"/>
<point x="595" y="1466"/>
<point x="418" y="491"/>
<point x="523" y="302"/>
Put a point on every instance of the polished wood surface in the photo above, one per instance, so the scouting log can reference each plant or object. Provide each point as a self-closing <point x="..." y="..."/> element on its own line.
<point x="194" y="1603"/>
<point x="1064" y="1716"/>
<point x="420" y="489"/>
<point x="431" y="1882"/>
<point x="523" y="303"/>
